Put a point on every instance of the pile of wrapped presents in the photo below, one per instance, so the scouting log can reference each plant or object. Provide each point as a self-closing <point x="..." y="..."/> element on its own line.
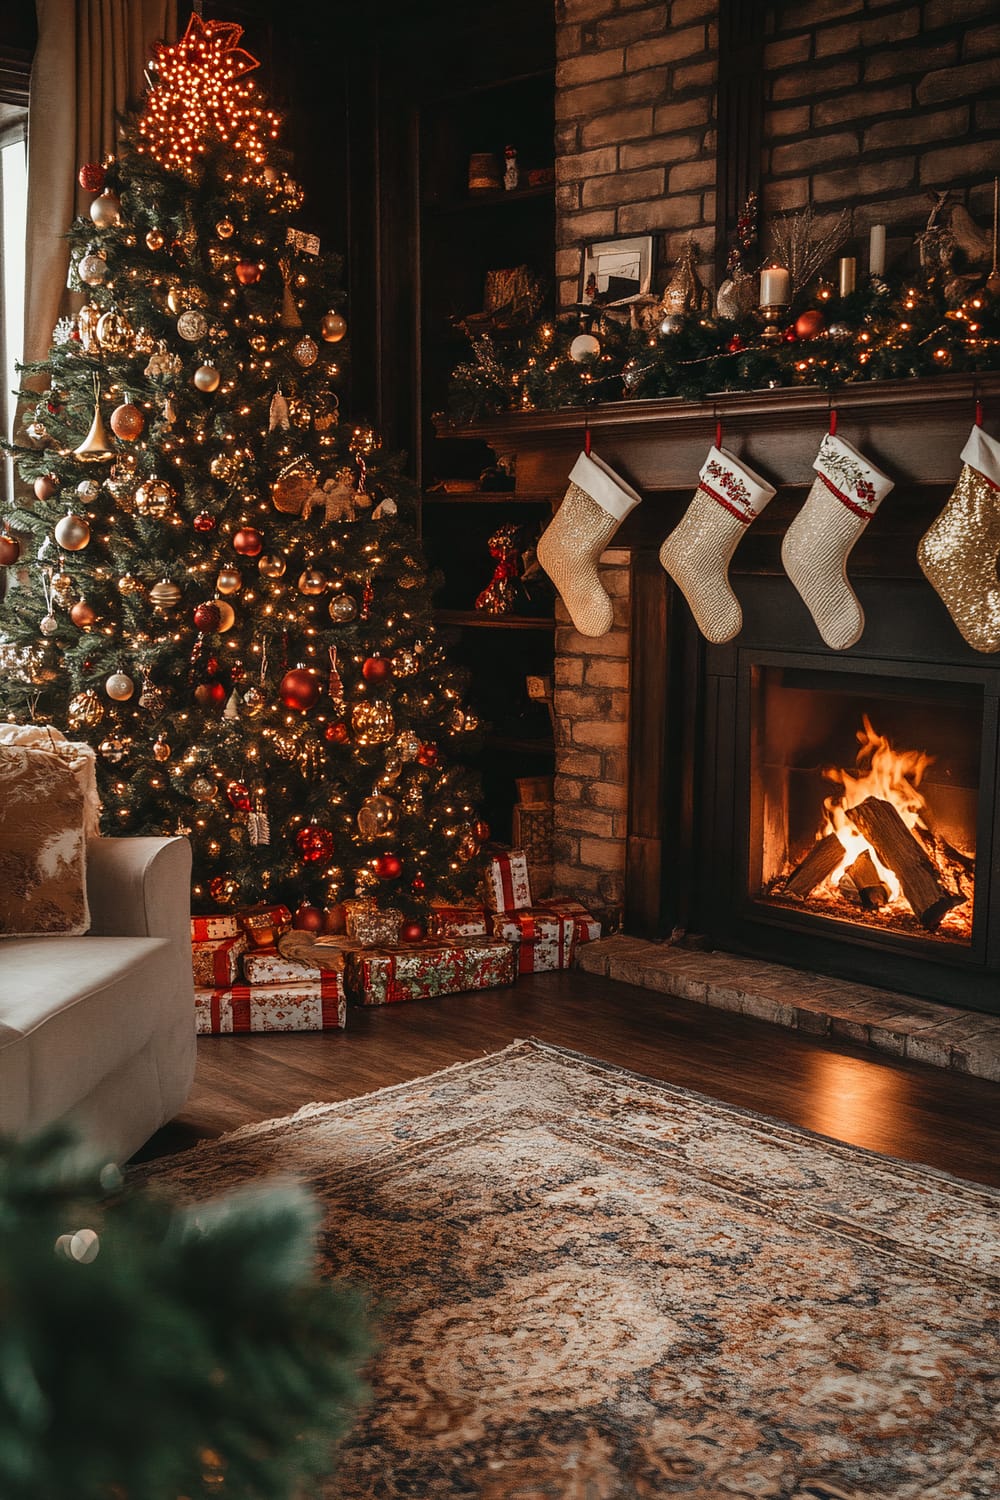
<point x="253" y="971"/>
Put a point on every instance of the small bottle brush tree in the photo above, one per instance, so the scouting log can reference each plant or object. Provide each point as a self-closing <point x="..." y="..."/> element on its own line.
<point x="217" y="579"/>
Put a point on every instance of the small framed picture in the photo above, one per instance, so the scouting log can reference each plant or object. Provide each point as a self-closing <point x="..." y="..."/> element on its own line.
<point x="616" y="272"/>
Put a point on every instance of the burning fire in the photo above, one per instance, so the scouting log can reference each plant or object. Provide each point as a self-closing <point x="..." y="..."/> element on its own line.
<point x="891" y="775"/>
<point x="879" y="854"/>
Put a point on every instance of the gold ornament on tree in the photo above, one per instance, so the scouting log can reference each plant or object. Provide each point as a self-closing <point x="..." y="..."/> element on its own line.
<point x="96" y="445"/>
<point x="373" y="722"/>
<point x="165" y="595"/>
<point x="85" y="710"/>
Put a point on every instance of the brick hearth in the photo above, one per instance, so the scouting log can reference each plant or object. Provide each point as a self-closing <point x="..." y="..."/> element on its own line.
<point x="967" y="1041"/>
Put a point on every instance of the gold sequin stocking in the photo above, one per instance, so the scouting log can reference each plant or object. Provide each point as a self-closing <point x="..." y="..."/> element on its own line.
<point x="959" y="556"/>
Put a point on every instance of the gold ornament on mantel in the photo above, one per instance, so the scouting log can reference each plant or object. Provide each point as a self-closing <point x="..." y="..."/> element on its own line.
<point x="684" y="292"/>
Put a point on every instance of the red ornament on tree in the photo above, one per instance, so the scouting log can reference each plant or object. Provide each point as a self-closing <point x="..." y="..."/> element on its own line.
<point x="239" y="795"/>
<point x="247" y="272"/>
<point x="204" y="521"/>
<point x="314" y="843"/>
<point x="809" y="323"/>
<point x="377" y="669"/>
<point x="388" y="866"/>
<point x="45" y="486"/>
<point x="299" y="689"/>
<point x="413" y="931"/>
<point x="210" y="694"/>
<point x="248" y="541"/>
<point x="308" y="918"/>
<point x="10" y="550"/>
<point x="427" y="755"/>
<point x="92" y="177"/>
<point x="789" y="335"/>
<point x="736" y="344"/>
<point x="207" y="617"/>
<point x="418" y="884"/>
<point x="337" y="733"/>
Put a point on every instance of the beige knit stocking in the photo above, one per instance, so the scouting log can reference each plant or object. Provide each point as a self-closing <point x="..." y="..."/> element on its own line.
<point x="596" y="503"/>
<point x="698" y="551"/>
<point x="844" y="496"/>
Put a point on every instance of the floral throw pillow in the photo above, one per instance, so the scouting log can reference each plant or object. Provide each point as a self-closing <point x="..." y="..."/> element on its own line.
<point x="42" y="844"/>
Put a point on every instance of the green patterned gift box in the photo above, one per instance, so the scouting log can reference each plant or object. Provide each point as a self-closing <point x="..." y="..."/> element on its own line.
<point x="419" y="971"/>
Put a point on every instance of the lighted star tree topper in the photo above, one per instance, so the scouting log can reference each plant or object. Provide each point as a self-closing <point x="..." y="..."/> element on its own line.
<point x="201" y="94"/>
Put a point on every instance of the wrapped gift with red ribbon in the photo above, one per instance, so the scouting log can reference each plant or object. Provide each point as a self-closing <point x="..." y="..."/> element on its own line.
<point x="264" y="924"/>
<point x="420" y="971"/>
<point x="459" y="921"/>
<point x="587" y="929"/>
<point x="221" y="924"/>
<point x="314" y="1004"/>
<point x="543" y="939"/>
<point x="268" y="966"/>
<point x="218" y="962"/>
<point x="507" y="884"/>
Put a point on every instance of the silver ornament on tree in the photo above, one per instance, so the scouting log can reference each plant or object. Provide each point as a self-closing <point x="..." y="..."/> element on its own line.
<point x="72" y="533"/>
<point x="584" y="346"/>
<point x="106" y="211"/>
<point x="93" y="268"/>
<point x="119" y="686"/>
<point x="206" y="378"/>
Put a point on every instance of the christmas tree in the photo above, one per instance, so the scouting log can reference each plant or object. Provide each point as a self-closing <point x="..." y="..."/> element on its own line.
<point x="217" y="579"/>
<point x="154" y="1351"/>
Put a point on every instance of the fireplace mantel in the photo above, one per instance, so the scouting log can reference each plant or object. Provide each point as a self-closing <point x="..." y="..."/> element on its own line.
<point x="914" y="429"/>
<point x="909" y="426"/>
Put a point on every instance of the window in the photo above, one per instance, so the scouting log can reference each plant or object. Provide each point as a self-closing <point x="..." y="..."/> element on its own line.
<point x="13" y="226"/>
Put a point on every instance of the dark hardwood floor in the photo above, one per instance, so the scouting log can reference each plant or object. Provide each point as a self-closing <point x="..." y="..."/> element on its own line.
<point x="919" y="1113"/>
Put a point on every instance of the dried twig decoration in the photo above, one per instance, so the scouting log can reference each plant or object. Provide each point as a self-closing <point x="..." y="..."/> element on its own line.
<point x="802" y="249"/>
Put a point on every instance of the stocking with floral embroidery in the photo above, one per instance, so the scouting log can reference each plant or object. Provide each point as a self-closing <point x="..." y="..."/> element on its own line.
<point x="845" y="494"/>
<point x="698" y="551"/>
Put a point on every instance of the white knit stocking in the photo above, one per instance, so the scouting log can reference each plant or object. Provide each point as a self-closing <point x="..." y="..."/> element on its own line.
<point x="844" y="496"/>
<point x="569" y="549"/>
<point x="698" y="551"/>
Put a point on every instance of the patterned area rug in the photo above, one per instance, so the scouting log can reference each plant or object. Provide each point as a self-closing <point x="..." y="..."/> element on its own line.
<point x="593" y="1286"/>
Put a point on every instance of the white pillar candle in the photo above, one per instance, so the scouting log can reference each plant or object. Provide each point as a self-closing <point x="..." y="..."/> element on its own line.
<point x="775" y="287"/>
<point x="876" y="250"/>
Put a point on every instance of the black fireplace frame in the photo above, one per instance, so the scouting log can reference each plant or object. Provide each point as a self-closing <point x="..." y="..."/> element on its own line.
<point x="906" y="641"/>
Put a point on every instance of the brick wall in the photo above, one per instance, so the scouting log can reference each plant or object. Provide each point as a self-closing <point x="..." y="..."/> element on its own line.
<point x="635" y="131"/>
<point x="591" y="706"/>
<point x="873" y="105"/>
<point x="868" y="103"/>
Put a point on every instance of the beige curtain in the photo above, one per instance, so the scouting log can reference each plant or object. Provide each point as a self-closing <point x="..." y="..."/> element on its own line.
<point x="88" y="67"/>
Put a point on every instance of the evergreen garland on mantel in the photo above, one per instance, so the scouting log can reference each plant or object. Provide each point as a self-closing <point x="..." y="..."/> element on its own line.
<point x="884" y="331"/>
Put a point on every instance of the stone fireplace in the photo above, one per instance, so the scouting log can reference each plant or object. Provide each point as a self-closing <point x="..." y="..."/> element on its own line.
<point x="694" y="782"/>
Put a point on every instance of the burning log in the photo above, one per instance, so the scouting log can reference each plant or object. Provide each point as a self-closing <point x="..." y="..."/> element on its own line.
<point x="821" y="861"/>
<point x="866" y="880"/>
<point x="900" y="852"/>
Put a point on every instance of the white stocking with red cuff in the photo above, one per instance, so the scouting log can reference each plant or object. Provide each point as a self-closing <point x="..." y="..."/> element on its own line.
<point x="845" y="494"/>
<point x="569" y="549"/>
<point x="698" y="551"/>
<point x="959" y="552"/>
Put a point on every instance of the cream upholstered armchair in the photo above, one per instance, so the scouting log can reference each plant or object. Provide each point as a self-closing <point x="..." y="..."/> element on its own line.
<point x="98" y="1029"/>
<point x="96" y="989"/>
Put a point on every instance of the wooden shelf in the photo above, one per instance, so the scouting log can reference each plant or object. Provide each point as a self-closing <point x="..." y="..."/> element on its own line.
<point x="477" y="620"/>
<point x="490" y="199"/>
<point x="488" y="497"/>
